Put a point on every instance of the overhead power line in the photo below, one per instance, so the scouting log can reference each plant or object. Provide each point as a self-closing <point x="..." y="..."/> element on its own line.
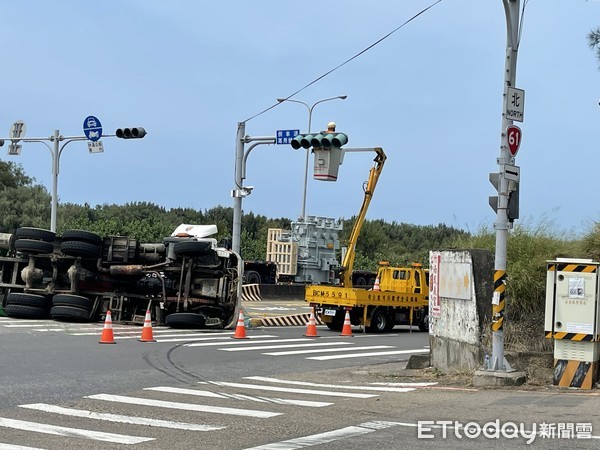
<point x="348" y="60"/>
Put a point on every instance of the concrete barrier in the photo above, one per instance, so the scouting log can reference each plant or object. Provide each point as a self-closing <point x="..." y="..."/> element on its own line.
<point x="460" y="292"/>
<point x="251" y="293"/>
<point x="283" y="321"/>
<point x="282" y="291"/>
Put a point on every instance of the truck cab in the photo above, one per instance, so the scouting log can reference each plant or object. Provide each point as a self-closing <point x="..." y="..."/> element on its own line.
<point x="414" y="279"/>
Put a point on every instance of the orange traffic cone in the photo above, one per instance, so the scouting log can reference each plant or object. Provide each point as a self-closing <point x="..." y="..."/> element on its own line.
<point x="107" y="332"/>
<point x="240" y="329"/>
<point x="347" y="328"/>
<point x="147" y="335"/>
<point x="376" y="285"/>
<point x="311" y="327"/>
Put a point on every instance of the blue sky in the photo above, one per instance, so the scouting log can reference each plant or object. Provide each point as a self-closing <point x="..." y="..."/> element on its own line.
<point x="430" y="95"/>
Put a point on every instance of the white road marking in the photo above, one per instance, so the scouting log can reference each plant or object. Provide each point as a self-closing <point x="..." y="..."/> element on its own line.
<point x="175" y="390"/>
<point x="327" y="437"/>
<point x="404" y="384"/>
<point x="332" y="386"/>
<point x="268" y="347"/>
<point x="72" y="432"/>
<point x="293" y="390"/>
<point x="138" y="331"/>
<point x="182" y="338"/>
<point x="45" y="330"/>
<point x="17" y="447"/>
<point x="279" y="401"/>
<point x="183" y="406"/>
<point x="120" y="418"/>
<point x="325" y="350"/>
<point x="4" y="320"/>
<point x="247" y="341"/>
<point x="361" y="355"/>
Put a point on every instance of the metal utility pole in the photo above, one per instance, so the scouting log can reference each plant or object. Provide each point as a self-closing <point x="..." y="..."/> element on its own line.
<point x="93" y="133"/>
<point x="239" y="191"/>
<point x="506" y="181"/>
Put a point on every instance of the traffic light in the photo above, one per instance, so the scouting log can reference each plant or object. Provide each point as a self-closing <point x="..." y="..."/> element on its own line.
<point x="1" y="142"/>
<point x="512" y="207"/>
<point x="130" y="133"/>
<point x="323" y="139"/>
<point x="512" y="210"/>
<point x="493" y="199"/>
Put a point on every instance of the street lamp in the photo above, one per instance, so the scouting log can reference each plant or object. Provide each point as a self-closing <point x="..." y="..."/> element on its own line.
<point x="310" y="111"/>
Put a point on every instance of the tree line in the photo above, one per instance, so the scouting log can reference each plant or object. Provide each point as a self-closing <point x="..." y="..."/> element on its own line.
<point x="23" y="202"/>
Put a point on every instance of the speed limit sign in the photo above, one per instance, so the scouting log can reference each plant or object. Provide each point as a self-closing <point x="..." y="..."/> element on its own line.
<point x="513" y="136"/>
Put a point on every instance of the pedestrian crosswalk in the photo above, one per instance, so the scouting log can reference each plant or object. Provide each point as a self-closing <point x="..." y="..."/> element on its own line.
<point x="343" y="349"/>
<point x="207" y="407"/>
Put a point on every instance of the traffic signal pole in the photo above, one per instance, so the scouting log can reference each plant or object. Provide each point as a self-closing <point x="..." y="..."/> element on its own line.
<point x="56" y="151"/>
<point x="239" y="191"/>
<point x="498" y="361"/>
<point x="17" y="135"/>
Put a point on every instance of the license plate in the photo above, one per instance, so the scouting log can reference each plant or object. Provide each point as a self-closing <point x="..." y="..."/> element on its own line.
<point x="329" y="312"/>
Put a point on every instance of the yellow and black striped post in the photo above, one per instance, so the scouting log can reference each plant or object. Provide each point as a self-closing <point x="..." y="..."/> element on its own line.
<point x="499" y="300"/>
<point x="575" y="374"/>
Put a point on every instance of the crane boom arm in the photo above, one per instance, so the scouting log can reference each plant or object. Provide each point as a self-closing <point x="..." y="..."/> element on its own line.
<point x="348" y="263"/>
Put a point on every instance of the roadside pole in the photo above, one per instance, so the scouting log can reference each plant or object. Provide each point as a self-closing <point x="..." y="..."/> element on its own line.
<point x="93" y="133"/>
<point x="240" y="191"/>
<point x="507" y="183"/>
<point x="236" y="194"/>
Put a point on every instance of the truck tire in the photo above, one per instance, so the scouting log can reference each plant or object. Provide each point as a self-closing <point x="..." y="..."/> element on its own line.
<point x="74" y="301"/>
<point x="337" y="322"/>
<point x="18" y="298"/>
<point x="361" y="282"/>
<point x="35" y="233"/>
<point x="81" y="235"/>
<point x="80" y="248"/>
<point x="25" y="312"/>
<point x="390" y="324"/>
<point x="185" y="320"/>
<point x="379" y="321"/>
<point x="69" y="314"/>
<point x="252" y="277"/>
<point x="424" y="323"/>
<point x="191" y="248"/>
<point x="32" y="246"/>
<point x="334" y="326"/>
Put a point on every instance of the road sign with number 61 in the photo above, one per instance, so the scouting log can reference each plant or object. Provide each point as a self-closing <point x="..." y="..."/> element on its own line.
<point x="513" y="137"/>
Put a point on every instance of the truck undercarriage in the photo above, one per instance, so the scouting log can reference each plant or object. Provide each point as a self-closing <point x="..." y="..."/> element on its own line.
<point x="186" y="280"/>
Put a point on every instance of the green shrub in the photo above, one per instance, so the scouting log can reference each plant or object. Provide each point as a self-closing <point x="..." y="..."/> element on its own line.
<point x="528" y="250"/>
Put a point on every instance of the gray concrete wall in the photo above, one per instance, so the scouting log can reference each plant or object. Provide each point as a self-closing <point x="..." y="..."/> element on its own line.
<point x="460" y="307"/>
<point x="282" y="291"/>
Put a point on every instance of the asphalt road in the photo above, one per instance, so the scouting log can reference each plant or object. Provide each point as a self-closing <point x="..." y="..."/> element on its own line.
<point x="276" y="389"/>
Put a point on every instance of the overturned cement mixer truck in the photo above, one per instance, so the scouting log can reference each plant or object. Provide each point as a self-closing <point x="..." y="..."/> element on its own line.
<point x="185" y="281"/>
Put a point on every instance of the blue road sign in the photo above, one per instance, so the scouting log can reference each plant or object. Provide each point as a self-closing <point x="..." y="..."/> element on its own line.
<point x="286" y="136"/>
<point x="92" y="128"/>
